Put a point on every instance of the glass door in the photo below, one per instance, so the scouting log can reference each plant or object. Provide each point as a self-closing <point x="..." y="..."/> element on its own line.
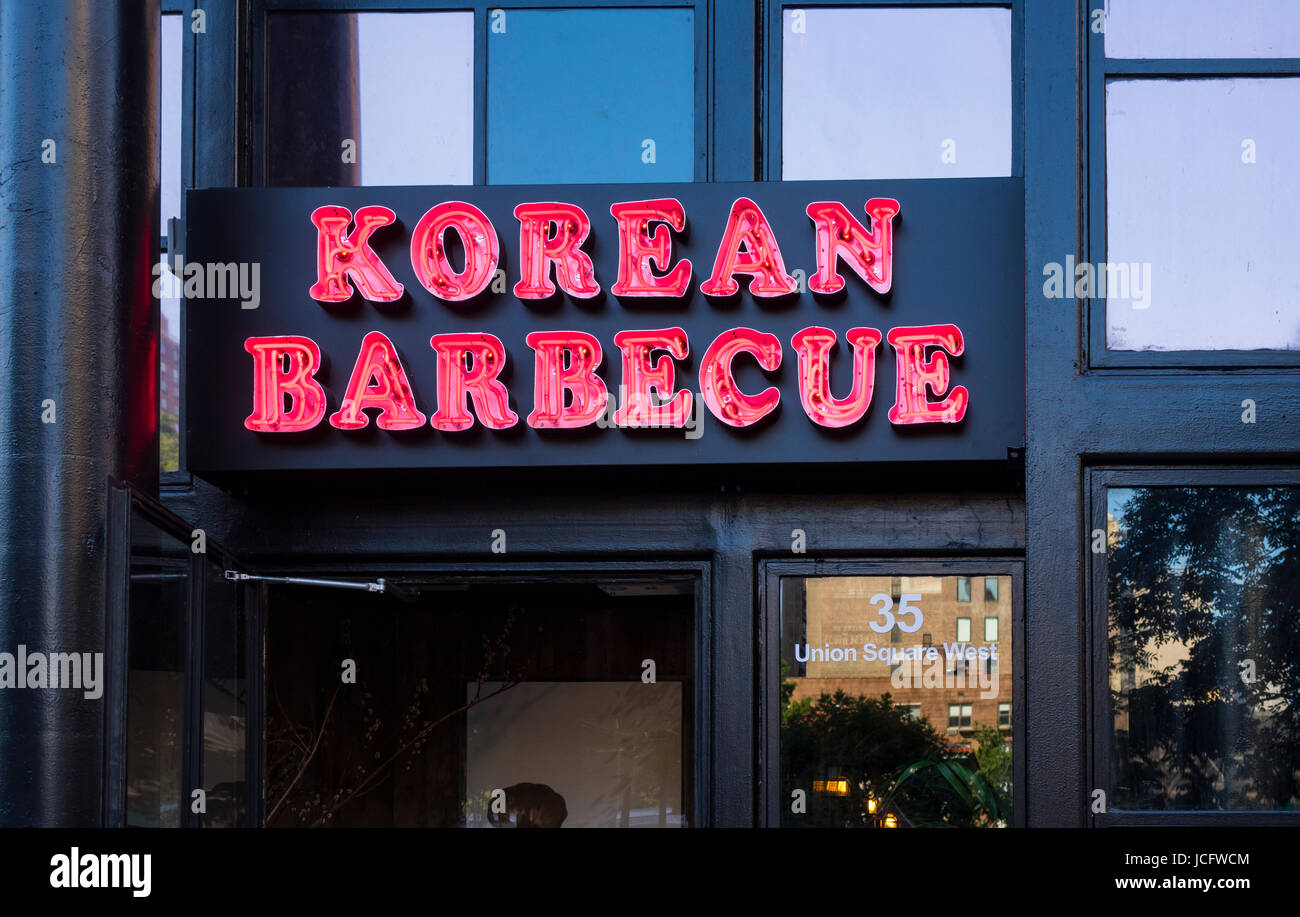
<point x="891" y="694"/>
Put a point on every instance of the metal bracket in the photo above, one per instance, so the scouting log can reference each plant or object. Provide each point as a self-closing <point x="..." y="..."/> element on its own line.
<point x="236" y="576"/>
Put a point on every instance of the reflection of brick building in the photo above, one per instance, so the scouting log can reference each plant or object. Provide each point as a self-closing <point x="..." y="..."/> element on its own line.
<point x="169" y="370"/>
<point x="938" y="684"/>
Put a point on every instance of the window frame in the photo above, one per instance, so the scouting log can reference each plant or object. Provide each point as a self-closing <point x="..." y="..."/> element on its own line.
<point x="767" y="730"/>
<point x="1099" y="69"/>
<point x="704" y="89"/>
<point x="771" y="97"/>
<point x="1098" y="717"/>
<point x="994" y="619"/>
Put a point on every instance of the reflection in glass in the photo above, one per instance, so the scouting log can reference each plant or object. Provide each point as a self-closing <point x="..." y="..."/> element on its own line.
<point x="224" y="701"/>
<point x="158" y="612"/>
<point x="908" y="731"/>
<point x="1202" y="28"/>
<point x="1204" y="635"/>
<point x="1201" y="201"/>
<point x="540" y="692"/>
<point x="571" y="98"/>
<point x="895" y="93"/>
<point x="398" y="86"/>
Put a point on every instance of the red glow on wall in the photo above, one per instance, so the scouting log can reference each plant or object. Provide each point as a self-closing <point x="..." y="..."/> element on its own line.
<point x="839" y="235"/>
<point x="273" y="380"/>
<point x="552" y="233"/>
<point x="553" y="378"/>
<point x="915" y="373"/>
<point x="429" y="254"/>
<point x="640" y="375"/>
<point x="718" y="386"/>
<point x="640" y="250"/>
<point x="341" y="256"/>
<point x="749" y="247"/>
<point x="378" y="381"/>
<point x="479" y="379"/>
<point x="814" y="347"/>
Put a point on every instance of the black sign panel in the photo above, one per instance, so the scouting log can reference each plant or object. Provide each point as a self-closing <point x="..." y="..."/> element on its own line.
<point x="957" y="259"/>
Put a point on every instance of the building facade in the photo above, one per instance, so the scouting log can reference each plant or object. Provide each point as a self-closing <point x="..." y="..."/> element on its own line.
<point x="1037" y="568"/>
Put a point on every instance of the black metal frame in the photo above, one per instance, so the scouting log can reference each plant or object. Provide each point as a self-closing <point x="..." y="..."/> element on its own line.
<point x="124" y="502"/>
<point x="1100" y="479"/>
<point x="1098" y="71"/>
<point x="768" y="639"/>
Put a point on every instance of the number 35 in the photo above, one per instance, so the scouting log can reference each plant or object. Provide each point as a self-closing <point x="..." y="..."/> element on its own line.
<point x="904" y="608"/>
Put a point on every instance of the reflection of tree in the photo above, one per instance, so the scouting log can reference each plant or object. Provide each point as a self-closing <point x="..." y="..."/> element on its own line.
<point x="868" y="742"/>
<point x="1204" y="583"/>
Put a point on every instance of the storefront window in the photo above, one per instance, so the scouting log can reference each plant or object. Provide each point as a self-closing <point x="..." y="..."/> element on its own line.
<point x="896" y="93"/>
<point x="1183" y="156"/>
<point x="906" y="735"/>
<point x="1201" y="28"/>
<point x="159" y="602"/>
<point x="539" y="705"/>
<point x="607" y="115"/>
<point x="349" y="99"/>
<point x="1203" y="638"/>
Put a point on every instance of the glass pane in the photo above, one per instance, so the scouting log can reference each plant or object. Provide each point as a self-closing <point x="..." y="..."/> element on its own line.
<point x="990" y="588"/>
<point x="370" y="99"/>
<point x="171" y="83"/>
<point x="991" y="628"/>
<point x="170" y="133"/>
<point x="1201" y="197"/>
<point x="896" y="93"/>
<point x="158" y="612"/>
<point x="224" y="701"/>
<point x="1204" y="634"/>
<point x="622" y="110"/>
<point x="1202" y="28"/>
<point x="849" y="738"/>
<point x="963" y="588"/>
<point x="540" y="705"/>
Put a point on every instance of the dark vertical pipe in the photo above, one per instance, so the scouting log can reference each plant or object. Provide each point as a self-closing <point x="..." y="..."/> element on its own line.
<point x="78" y="332"/>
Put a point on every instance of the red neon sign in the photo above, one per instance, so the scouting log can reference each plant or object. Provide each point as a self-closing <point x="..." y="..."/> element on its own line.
<point x="569" y="391"/>
<point x="718" y="386"/>
<point x="429" y="255"/>
<point x="814" y="348"/>
<point x="469" y="364"/>
<point x="915" y="373"/>
<point x="283" y="366"/>
<point x="639" y="249"/>
<point x="341" y="257"/>
<point x="749" y="247"/>
<point x="553" y="234"/>
<point x="378" y="381"/>
<point x="553" y="378"/>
